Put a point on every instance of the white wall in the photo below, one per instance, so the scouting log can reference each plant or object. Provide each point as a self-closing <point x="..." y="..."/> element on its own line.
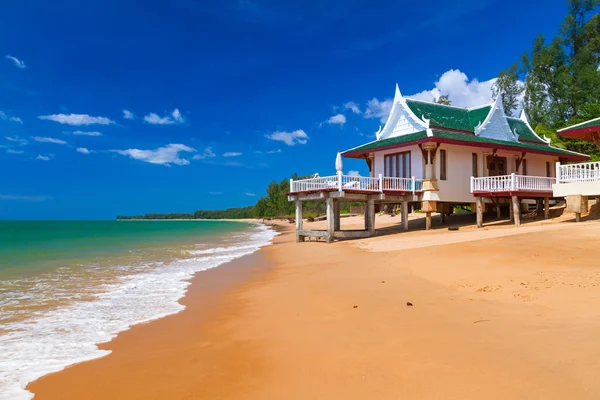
<point x="416" y="160"/>
<point x="457" y="186"/>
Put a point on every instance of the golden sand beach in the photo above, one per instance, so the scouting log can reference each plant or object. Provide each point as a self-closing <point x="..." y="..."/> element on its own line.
<point x="497" y="313"/>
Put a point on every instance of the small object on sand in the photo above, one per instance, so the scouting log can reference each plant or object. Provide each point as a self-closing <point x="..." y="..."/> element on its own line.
<point x="382" y="281"/>
<point x="409" y="304"/>
<point x="453" y="228"/>
<point x="355" y="306"/>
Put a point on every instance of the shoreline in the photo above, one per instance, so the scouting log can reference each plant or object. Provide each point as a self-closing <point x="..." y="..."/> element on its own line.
<point x="203" y="291"/>
<point x="491" y="319"/>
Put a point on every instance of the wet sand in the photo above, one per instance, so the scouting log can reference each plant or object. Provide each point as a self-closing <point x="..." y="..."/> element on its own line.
<point x="514" y="315"/>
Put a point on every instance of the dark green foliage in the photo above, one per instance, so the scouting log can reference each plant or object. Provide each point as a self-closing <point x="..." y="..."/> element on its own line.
<point x="443" y="99"/>
<point x="562" y="78"/>
<point x="508" y="83"/>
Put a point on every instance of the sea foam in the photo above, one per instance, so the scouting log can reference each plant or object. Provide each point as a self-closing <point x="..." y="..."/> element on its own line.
<point x="48" y="343"/>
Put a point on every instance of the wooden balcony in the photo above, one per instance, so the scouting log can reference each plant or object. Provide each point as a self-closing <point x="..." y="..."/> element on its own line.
<point x="512" y="185"/>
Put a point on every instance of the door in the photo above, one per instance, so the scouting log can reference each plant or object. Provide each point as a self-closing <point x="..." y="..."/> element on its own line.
<point x="496" y="166"/>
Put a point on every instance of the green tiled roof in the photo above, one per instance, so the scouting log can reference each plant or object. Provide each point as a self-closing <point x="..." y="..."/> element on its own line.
<point x="593" y="123"/>
<point x="478" y="139"/>
<point x="460" y="137"/>
<point x="390" y="142"/>
<point x="448" y="117"/>
<point x="523" y="130"/>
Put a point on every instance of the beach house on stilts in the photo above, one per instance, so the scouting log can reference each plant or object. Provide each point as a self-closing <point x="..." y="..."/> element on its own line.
<point x="437" y="157"/>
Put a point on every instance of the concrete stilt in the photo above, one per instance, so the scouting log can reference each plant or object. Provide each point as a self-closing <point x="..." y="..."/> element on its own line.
<point x="498" y="212"/>
<point x="479" y="211"/>
<point x="330" y="220"/>
<point x="546" y="208"/>
<point x="427" y="221"/>
<point x="516" y="206"/>
<point x="511" y="211"/>
<point x="370" y="210"/>
<point x="299" y="222"/>
<point x="336" y="215"/>
<point x="443" y="218"/>
<point x="577" y="217"/>
<point x="405" y="215"/>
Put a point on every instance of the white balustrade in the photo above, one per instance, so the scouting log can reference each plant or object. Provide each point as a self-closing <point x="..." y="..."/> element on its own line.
<point x="356" y="183"/>
<point x="511" y="183"/>
<point x="583" y="172"/>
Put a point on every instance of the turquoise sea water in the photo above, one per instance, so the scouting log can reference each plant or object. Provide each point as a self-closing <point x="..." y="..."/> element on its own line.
<point x="27" y="246"/>
<point x="66" y="286"/>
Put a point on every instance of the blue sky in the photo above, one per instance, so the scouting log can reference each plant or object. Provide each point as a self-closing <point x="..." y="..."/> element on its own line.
<point x="222" y="96"/>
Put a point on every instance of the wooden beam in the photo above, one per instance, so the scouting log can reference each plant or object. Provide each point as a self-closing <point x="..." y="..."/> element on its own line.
<point x="516" y="206"/>
<point x="479" y="211"/>
<point x="336" y="215"/>
<point x="546" y="208"/>
<point x="427" y="221"/>
<point x="405" y="215"/>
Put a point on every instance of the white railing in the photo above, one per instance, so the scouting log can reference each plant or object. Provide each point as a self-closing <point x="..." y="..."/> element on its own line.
<point x="511" y="183"/>
<point x="359" y="183"/>
<point x="583" y="172"/>
<point x="402" y="184"/>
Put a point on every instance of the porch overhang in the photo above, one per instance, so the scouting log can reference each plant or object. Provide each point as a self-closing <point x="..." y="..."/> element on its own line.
<point x="517" y="193"/>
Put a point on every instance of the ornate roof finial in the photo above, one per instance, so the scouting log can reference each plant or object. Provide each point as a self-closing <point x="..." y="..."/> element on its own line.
<point x="397" y="95"/>
<point x="427" y="121"/>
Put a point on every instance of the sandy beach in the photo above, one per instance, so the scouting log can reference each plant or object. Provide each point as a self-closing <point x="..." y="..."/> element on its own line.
<point x="499" y="312"/>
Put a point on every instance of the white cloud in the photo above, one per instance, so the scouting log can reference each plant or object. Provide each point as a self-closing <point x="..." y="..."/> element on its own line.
<point x="174" y="118"/>
<point x="461" y="91"/>
<point x="87" y="133"/>
<point x="289" y="138"/>
<point x="268" y="152"/>
<point x="353" y="173"/>
<point x="163" y="155"/>
<point x="232" y="154"/>
<point x="3" y="116"/>
<point x="128" y="114"/>
<point x="338" y="119"/>
<point x="207" y="153"/>
<point x="77" y="119"/>
<point x="353" y="107"/>
<point x="177" y="116"/>
<point x="48" y="140"/>
<point x="11" y="151"/>
<point x="378" y="109"/>
<point x="18" y="63"/>
<point x="83" y="150"/>
<point x="43" y="158"/>
<point x="16" y="139"/>
<point x="22" y="198"/>
<point x="250" y="194"/>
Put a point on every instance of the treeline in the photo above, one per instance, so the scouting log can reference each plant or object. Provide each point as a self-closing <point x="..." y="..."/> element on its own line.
<point x="559" y="80"/>
<point x="274" y="205"/>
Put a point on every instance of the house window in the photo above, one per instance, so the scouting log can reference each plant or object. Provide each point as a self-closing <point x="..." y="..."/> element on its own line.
<point x="523" y="167"/>
<point x="548" y="171"/>
<point x="397" y="165"/>
<point x="474" y="158"/>
<point x="443" y="166"/>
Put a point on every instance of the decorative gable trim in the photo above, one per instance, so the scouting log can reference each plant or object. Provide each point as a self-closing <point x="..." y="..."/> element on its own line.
<point x="401" y="121"/>
<point x="495" y="125"/>
<point x="523" y="118"/>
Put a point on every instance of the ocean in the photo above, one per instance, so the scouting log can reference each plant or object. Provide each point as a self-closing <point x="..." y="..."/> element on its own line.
<point x="66" y="286"/>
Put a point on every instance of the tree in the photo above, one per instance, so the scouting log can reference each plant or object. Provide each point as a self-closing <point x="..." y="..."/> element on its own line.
<point x="511" y="88"/>
<point x="443" y="99"/>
